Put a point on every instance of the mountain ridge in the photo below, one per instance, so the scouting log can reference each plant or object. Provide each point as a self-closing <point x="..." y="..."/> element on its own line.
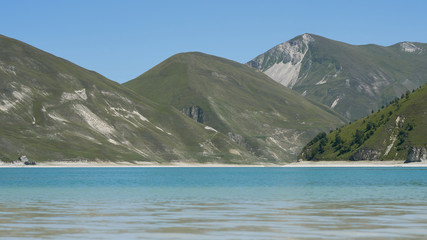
<point x="337" y="73"/>
<point x="236" y="100"/>
<point x="191" y="107"/>
<point x="52" y="109"/>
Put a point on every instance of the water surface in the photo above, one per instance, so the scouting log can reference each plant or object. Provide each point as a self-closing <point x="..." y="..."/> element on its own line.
<point x="213" y="203"/>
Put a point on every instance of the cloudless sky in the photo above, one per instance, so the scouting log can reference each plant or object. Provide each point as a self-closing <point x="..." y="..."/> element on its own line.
<point x="122" y="39"/>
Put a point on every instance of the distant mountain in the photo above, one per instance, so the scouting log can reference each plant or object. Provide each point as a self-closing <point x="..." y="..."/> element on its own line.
<point x="51" y="109"/>
<point x="267" y="119"/>
<point x="397" y="132"/>
<point x="352" y="80"/>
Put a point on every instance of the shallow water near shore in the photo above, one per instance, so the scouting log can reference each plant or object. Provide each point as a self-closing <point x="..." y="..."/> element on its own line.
<point x="213" y="203"/>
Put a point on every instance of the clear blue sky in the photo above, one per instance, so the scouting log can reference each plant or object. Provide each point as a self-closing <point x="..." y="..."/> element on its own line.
<point x="122" y="39"/>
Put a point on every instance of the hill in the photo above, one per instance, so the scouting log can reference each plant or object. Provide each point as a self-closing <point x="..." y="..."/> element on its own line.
<point x="267" y="119"/>
<point x="52" y="109"/>
<point x="352" y="80"/>
<point x="396" y="132"/>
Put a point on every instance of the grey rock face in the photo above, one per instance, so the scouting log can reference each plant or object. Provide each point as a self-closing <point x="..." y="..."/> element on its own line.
<point x="237" y="138"/>
<point x="366" y="154"/>
<point x="417" y="154"/>
<point x="194" y="112"/>
<point x="292" y="51"/>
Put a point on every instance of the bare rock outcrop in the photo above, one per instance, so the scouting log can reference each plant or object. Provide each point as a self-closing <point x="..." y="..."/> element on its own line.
<point x="194" y="112"/>
<point x="417" y="154"/>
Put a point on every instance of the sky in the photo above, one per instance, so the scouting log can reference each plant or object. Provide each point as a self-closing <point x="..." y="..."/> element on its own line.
<point x="123" y="39"/>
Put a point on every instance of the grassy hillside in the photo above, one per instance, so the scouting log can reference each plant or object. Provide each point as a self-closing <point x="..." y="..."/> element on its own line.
<point x="388" y="134"/>
<point x="51" y="109"/>
<point x="262" y="116"/>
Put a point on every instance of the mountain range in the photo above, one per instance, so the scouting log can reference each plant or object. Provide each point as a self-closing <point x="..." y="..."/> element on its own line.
<point x="51" y="109"/>
<point x="195" y="107"/>
<point x="353" y="80"/>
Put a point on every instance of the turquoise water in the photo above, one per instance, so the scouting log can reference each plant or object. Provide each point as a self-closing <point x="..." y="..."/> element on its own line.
<point x="213" y="203"/>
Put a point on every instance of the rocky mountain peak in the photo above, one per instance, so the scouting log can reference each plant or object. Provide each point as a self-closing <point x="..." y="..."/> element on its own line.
<point x="283" y="62"/>
<point x="351" y="79"/>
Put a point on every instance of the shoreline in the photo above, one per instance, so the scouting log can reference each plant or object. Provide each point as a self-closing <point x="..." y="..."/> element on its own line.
<point x="366" y="163"/>
<point x="304" y="164"/>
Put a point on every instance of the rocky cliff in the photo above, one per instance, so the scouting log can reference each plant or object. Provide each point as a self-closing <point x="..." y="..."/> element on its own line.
<point x="417" y="154"/>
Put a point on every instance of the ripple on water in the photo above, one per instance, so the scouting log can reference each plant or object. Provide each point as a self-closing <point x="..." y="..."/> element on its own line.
<point x="219" y="210"/>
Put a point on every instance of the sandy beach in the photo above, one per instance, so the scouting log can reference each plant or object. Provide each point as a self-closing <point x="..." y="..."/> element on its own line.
<point x="53" y="164"/>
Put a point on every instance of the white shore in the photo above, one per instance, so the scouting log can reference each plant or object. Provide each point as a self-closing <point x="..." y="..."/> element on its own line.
<point x="59" y="164"/>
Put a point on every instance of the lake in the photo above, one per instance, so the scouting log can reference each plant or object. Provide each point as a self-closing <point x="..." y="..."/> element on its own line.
<point x="213" y="203"/>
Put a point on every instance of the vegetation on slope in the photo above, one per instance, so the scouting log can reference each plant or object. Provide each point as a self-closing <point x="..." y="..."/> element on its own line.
<point x="52" y="109"/>
<point x="262" y="116"/>
<point x="351" y="79"/>
<point x="388" y="134"/>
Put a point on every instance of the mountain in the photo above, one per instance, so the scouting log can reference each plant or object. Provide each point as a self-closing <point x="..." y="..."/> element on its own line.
<point x="267" y="119"/>
<point x="352" y="80"/>
<point x="396" y="132"/>
<point x="52" y="109"/>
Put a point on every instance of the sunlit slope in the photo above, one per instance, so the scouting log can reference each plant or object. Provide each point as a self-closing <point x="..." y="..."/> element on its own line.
<point x="51" y="109"/>
<point x="351" y="79"/>
<point x="262" y="116"/>
<point x="396" y="132"/>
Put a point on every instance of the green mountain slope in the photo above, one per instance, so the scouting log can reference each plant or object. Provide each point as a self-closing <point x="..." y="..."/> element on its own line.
<point x="51" y="109"/>
<point x="352" y="80"/>
<point x="267" y="119"/>
<point x="396" y="132"/>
